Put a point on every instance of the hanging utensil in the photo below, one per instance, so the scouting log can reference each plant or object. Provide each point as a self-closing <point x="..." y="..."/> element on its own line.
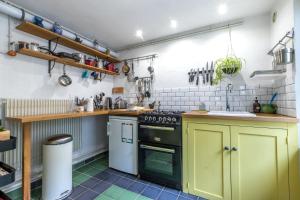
<point x="211" y="73"/>
<point x="203" y="76"/>
<point x="64" y="79"/>
<point x="190" y="73"/>
<point x="206" y="73"/>
<point x="197" y="81"/>
<point x="125" y="68"/>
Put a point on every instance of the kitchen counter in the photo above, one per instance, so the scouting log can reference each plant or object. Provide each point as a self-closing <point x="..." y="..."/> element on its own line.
<point x="126" y="112"/>
<point x="262" y="117"/>
<point x="36" y="118"/>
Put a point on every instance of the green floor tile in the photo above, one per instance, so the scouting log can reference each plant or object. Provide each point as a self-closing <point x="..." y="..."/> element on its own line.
<point x="36" y="193"/>
<point x="15" y="194"/>
<point x="99" y="164"/>
<point x="103" y="197"/>
<point x="141" y="197"/>
<point x="77" y="180"/>
<point x="84" y="168"/>
<point x="93" y="171"/>
<point x="117" y="193"/>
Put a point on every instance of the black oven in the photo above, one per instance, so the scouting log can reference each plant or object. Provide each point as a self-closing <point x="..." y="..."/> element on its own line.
<point x="160" y="163"/>
<point x="160" y="148"/>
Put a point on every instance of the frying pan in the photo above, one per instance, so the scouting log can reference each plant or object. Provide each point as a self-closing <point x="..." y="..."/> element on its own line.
<point x="64" y="80"/>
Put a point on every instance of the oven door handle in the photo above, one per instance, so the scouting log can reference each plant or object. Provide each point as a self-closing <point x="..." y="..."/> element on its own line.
<point x="161" y="128"/>
<point x="157" y="149"/>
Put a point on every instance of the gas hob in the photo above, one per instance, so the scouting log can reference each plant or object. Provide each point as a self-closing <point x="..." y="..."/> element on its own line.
<point x="161" y="117"/>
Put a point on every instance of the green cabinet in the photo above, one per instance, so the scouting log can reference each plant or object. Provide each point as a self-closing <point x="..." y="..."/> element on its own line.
<point x="237" y="161"/>
<point x="208" y="164"/>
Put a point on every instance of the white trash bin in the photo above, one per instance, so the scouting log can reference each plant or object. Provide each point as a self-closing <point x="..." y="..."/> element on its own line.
<point x="57" y="167"/>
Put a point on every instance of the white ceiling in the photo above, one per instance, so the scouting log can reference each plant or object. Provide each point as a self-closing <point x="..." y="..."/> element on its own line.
<point x="114" y="22"/>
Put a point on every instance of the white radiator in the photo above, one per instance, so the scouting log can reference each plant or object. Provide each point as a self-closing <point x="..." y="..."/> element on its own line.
<point x="40" y="130"/>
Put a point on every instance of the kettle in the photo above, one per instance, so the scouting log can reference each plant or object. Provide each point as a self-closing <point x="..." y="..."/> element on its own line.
<point x="108" y="103"/>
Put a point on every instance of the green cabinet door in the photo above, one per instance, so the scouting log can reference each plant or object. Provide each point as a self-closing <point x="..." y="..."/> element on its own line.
<point x="259" y="164"/>
<point x="208" y="161"/>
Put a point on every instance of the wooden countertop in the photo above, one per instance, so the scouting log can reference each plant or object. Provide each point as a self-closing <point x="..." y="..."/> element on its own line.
<point x="125" y="112"/>
<point x="259" y="117"/>
<point x="36" y="118"/>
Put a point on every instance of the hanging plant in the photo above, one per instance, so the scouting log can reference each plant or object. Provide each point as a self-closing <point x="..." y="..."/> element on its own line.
<point x="230" y="65"/>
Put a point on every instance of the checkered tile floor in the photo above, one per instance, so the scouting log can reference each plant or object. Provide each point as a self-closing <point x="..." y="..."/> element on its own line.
<point x="96" y="181"/>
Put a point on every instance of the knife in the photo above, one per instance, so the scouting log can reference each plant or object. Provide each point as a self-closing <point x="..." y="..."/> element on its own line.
<point x="197" y="81"/>
<point x="211" y="72"/>
<point x="206" y="73"/>
<point x="203" y="76"/>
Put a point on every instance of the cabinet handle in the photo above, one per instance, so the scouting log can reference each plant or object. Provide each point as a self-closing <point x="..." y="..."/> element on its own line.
<point x="226" y="148"/>
<point x="234" y="149"/>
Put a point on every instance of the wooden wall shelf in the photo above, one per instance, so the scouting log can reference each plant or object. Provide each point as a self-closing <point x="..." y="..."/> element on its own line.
<point x="45" y="56"/>
<point x="49" y="35"/>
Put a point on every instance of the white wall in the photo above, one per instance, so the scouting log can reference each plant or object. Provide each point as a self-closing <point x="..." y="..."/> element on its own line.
<point x="251" y="41"/>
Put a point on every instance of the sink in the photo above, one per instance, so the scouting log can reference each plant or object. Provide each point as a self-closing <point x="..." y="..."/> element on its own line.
<point x="233" y="114"/>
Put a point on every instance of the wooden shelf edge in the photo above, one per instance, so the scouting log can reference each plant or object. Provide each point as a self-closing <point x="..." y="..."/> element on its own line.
<point x="45" y="56"/>
<point x="33" y="29"/>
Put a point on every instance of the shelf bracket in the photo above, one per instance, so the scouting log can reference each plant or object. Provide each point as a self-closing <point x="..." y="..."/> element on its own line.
<point x="49" y="61"/>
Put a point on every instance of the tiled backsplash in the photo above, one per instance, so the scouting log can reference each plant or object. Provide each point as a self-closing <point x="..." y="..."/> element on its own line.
<point x="214" y="97"/>
<point x="286" y="100"/>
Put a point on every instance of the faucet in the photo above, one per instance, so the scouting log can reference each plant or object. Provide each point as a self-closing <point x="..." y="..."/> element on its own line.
<point x="158" y="107"/>
<point x="228" y="89"/>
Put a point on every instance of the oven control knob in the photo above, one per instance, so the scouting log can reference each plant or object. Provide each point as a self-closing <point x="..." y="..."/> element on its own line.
<point x="146" y="118"/>
<point x="169" y="119"/>
<point x="154" y="119"/>
<point x="150" y="118"/>
<point x="159" y="119"/>
<point x="164" y="119"/>
<point x="174" y="119"/>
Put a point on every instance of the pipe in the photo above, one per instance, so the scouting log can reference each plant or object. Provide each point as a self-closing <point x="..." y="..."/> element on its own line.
<point x="16" y="12"/>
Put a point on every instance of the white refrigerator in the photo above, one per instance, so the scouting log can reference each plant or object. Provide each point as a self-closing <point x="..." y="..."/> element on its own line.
<point x="123" y="155"/>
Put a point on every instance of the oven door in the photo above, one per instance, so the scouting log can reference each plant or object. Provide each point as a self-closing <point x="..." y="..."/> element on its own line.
<point x="160" y="163"/>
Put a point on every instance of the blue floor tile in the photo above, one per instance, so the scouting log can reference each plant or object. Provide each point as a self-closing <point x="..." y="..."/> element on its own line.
<point x="188" y="196"/>
<point x="101" y="187"/>
<point x="151" y="192"/>
<point x="156" y="185"/>
<point x="124" y="182"/>
<point x="167" y="196"/>
<point x="171" y="190"/>
<point x="137" y="187"/>
<point x="88" y="195"/>
<point x="77" y="191"/>
<point x="90" y="183"/>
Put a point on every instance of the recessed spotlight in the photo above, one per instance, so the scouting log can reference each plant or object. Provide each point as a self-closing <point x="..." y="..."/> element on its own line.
<point x="222" y="9"/>
<point x="139" y="34"/>
<point x="173" y="23"/>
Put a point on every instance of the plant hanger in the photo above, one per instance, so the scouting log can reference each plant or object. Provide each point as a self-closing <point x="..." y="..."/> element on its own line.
<point x="230" y="65"/>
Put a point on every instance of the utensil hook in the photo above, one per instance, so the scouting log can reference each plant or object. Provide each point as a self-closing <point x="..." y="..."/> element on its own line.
<point x="64" y="69"/>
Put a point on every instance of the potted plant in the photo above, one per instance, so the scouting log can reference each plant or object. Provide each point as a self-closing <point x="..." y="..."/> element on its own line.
<point x="229" y="65"/>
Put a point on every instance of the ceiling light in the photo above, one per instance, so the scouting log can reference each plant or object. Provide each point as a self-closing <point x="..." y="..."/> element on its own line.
<point x="139" y="34"/>
<point x="222" y="9"/>
<point x="173" y="23"/>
